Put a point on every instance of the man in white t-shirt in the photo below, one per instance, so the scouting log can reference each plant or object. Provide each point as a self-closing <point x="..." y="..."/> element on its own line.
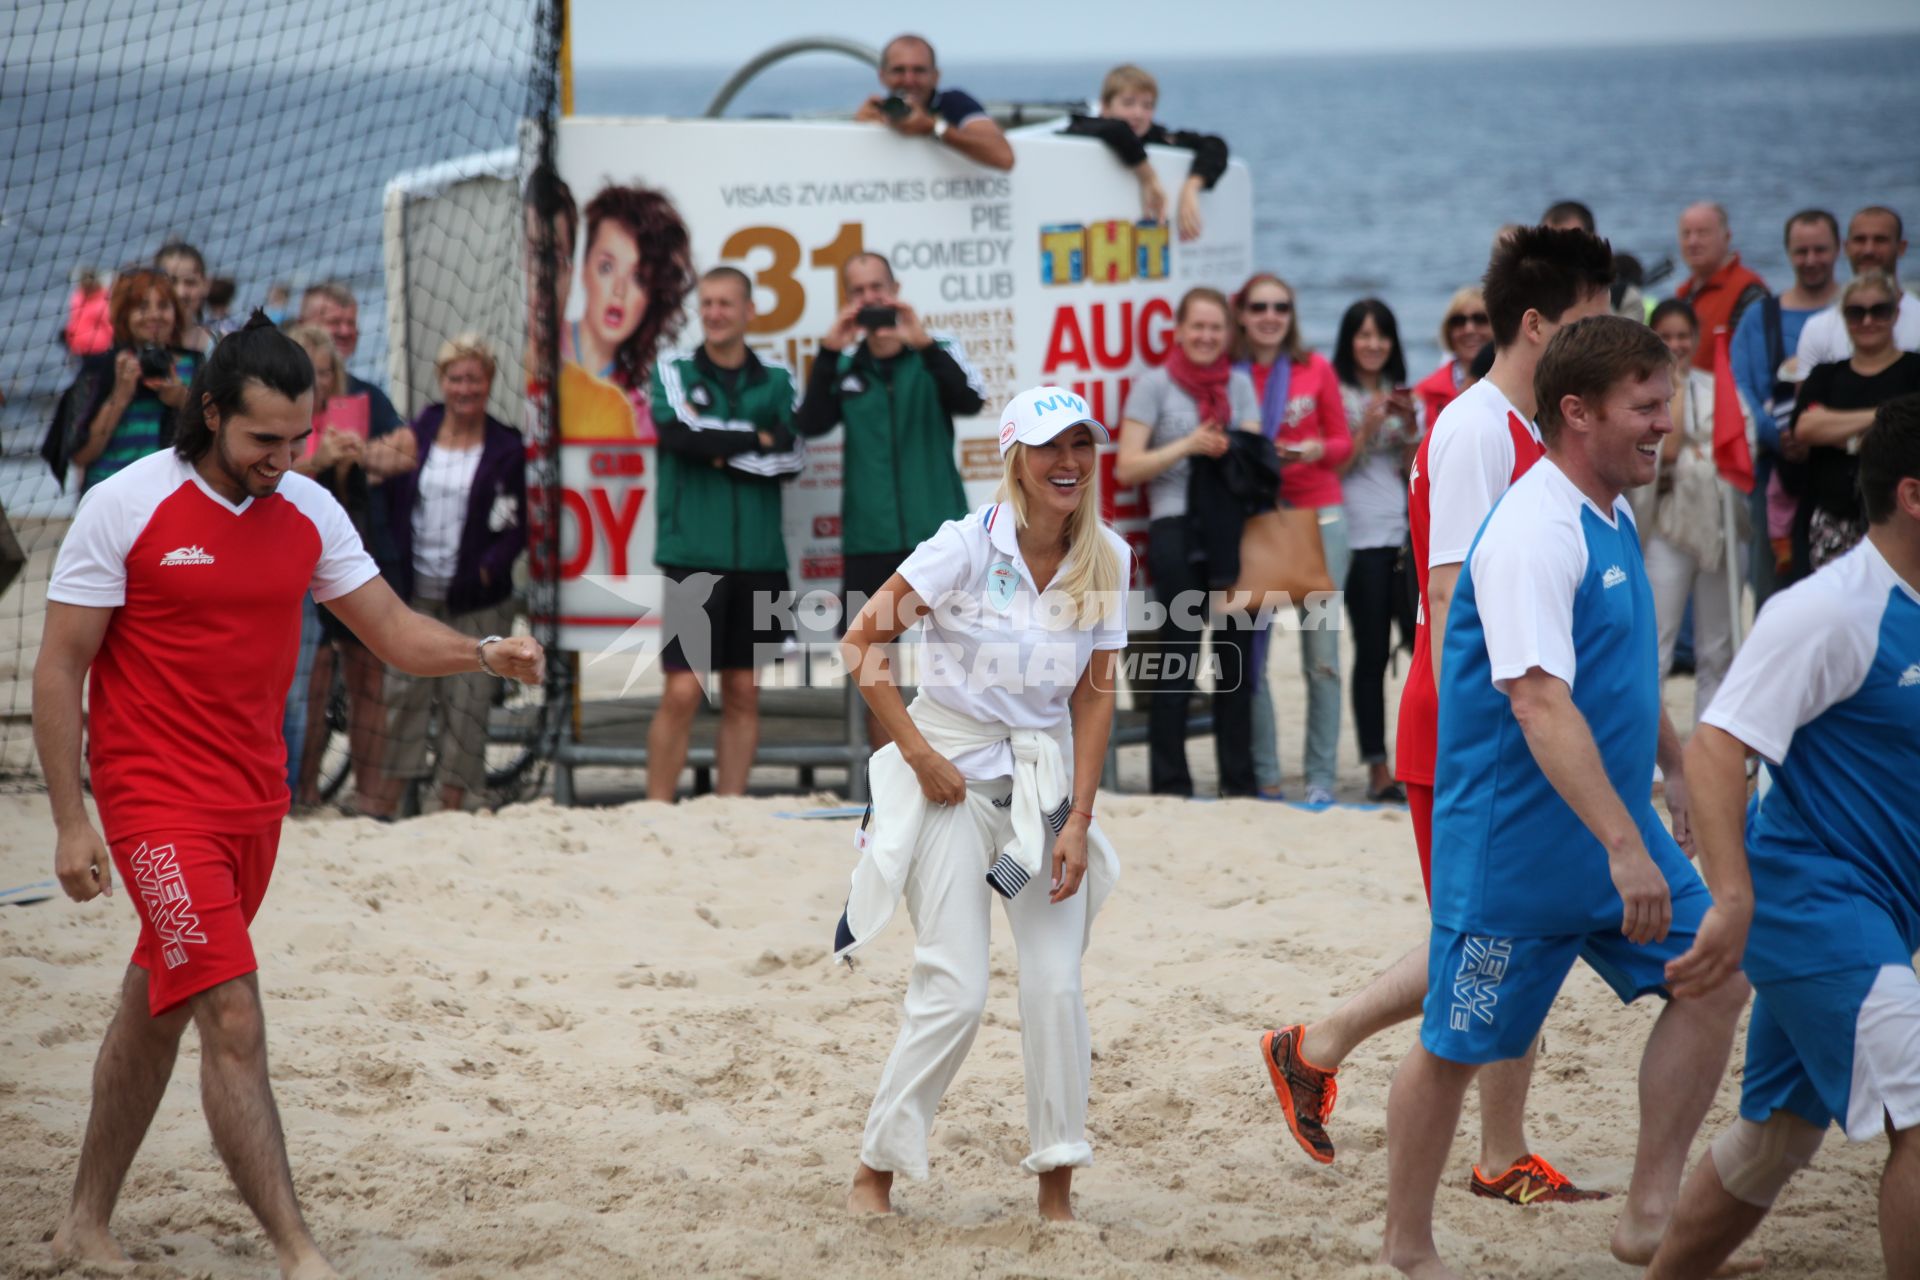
<point x="1876" y="241"/>
<point x="177" y="591"/>
<point x="1827" y="692"/>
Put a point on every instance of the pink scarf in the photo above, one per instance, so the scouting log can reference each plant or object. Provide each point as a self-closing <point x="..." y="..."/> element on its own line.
<point x="1206" y="383"/>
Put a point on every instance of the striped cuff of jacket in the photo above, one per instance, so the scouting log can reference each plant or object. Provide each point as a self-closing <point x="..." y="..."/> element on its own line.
<point x="1007" y="876"/>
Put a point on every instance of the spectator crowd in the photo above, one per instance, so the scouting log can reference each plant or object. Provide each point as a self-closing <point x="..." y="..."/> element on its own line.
<point x="440" y="498"/>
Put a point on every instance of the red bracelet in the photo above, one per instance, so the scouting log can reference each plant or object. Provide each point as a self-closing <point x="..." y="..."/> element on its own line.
<point x="1083" y="813"/>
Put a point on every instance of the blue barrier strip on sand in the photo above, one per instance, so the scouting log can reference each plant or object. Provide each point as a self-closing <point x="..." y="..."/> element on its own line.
<point x="854" y="811"/>
<point x="1303" y="806"/>
<point x="22" y="890"/>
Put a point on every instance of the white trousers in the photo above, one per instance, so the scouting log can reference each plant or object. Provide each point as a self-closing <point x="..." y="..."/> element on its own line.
<point x="1675" y="575"/>
<point x="951" y="905"/>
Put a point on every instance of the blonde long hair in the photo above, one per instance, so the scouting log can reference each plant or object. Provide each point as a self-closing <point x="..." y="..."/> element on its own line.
<point x="319" y="346"/>
<point x="1090" y="575"/>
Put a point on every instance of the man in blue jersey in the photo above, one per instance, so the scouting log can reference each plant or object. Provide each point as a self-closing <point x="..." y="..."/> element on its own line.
<point x="1827" y="691"/>
<point x="1546" y="844"/>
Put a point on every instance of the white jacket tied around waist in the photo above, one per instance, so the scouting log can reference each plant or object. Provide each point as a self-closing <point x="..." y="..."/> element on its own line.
<point x="1042" y="798"/>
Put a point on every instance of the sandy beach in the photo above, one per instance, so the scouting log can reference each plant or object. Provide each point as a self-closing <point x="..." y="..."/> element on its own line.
<point x="610" y="1042"/>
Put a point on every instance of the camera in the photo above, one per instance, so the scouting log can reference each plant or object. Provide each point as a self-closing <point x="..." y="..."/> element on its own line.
<point x="155" y="361"/>
<point x="895" y="107"/>
<point x="871" y="318"/>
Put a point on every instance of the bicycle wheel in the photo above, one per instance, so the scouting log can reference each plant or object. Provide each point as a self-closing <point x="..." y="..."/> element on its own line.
<point x="336" y="760"/>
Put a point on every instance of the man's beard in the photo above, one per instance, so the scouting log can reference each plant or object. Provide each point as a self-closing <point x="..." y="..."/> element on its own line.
<point x="244" y="477"/>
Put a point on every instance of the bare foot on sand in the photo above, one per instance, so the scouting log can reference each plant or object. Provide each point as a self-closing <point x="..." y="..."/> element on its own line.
<point x="313" y="1268"/>
<point x="1428" y="1267"/>
<point x="94" y="1246"/>
<point x="872" y="1192"/>
<point x="1634" y="1243"/>
<point x="1056" y="1195"/>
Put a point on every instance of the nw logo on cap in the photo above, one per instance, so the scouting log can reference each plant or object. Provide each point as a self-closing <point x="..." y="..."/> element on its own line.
<point x="1048" y="404"/>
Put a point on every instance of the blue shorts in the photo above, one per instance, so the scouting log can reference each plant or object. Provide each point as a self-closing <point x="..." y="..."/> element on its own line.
<point x="1837" y="1048"/>
<point x="1487" y="997"/>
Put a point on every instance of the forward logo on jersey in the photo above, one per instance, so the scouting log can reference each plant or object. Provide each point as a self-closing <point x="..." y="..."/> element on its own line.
<point x="1614" y="576"/>
<point x="186" y="555"/>
<point x="1910" y="677"/>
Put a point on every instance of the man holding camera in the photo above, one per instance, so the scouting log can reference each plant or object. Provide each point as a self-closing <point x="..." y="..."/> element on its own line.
<point x="917" y="107"/>
<point x="898" y="389"/>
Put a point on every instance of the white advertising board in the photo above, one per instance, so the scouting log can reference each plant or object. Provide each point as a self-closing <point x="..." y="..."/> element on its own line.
<point x="1046" y="275"/>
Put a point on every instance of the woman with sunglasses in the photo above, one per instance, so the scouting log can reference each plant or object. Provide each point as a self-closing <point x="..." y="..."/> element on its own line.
<point x="1834" y="409"/>
<point x="131" y="392"/>
<point x="1464" y="331"/>
<point x="1302" y="413"/>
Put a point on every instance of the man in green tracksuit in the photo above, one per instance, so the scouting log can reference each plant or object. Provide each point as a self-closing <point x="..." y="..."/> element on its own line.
<point x="725" y="422"/>
<point x="898" y="392"/>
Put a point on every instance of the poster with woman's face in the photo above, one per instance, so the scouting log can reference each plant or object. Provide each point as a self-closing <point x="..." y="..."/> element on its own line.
<point x="631" y="253"/>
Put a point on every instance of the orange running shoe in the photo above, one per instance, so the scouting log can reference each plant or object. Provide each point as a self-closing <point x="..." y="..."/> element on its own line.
<point x="1305" y="1091"/>
<point x="1532" y="1181"/>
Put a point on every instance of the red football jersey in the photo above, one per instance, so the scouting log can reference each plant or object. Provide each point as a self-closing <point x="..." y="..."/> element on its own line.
<point x="186" y="694"/>
<point x="1479" y="446"/>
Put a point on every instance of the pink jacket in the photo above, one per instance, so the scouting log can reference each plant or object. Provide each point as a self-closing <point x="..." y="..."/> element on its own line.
<point x="1314" y="412"/>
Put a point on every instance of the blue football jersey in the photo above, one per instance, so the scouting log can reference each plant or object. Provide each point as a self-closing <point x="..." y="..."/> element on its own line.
<point x="1556" y="583"/>
<point x="1827" y="691"/>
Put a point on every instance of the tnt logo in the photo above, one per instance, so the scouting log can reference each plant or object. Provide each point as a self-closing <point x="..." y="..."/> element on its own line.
<point x="1111" y="252"/>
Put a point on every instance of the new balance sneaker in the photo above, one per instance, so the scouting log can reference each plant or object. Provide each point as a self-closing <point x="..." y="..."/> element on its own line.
<point x="1532" y="1181"/>
<point x="1305" y="1091"/>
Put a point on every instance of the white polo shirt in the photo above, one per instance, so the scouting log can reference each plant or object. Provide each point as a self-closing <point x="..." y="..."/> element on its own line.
<point x="995" y="646"/>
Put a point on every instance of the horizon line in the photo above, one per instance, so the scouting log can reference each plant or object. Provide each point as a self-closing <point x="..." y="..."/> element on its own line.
<point x="1522" y="45"/>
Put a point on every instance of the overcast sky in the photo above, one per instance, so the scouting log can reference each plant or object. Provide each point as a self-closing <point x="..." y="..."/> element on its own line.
<point x="727" y="32"/>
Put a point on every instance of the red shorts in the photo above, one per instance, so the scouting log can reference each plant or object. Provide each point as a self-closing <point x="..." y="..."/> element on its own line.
<point x="196" y="893"/>
<point x="1420" y="805"/>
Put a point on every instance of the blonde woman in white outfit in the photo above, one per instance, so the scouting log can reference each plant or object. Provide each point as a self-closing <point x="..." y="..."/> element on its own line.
<point x="1680" y="517"/>
<point x="988" y="789"/>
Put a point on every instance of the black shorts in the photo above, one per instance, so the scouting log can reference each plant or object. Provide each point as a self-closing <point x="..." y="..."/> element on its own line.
<point x="863" y="575"/>
<point x="741" y="624"/>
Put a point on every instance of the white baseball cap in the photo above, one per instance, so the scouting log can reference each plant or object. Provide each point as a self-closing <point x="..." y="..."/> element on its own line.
<point x="1037" y="416"/>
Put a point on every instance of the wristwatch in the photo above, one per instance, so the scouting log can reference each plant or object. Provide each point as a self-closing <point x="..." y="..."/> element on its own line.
<point x="940" y="126"/>
<point x="480" y="652"/>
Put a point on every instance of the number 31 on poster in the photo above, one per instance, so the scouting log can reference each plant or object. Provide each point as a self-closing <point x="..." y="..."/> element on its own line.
<point x="771" y="255"/>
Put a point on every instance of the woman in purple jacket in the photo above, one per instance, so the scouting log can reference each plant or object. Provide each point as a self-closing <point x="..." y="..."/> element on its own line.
<point x="459" y="521"/>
